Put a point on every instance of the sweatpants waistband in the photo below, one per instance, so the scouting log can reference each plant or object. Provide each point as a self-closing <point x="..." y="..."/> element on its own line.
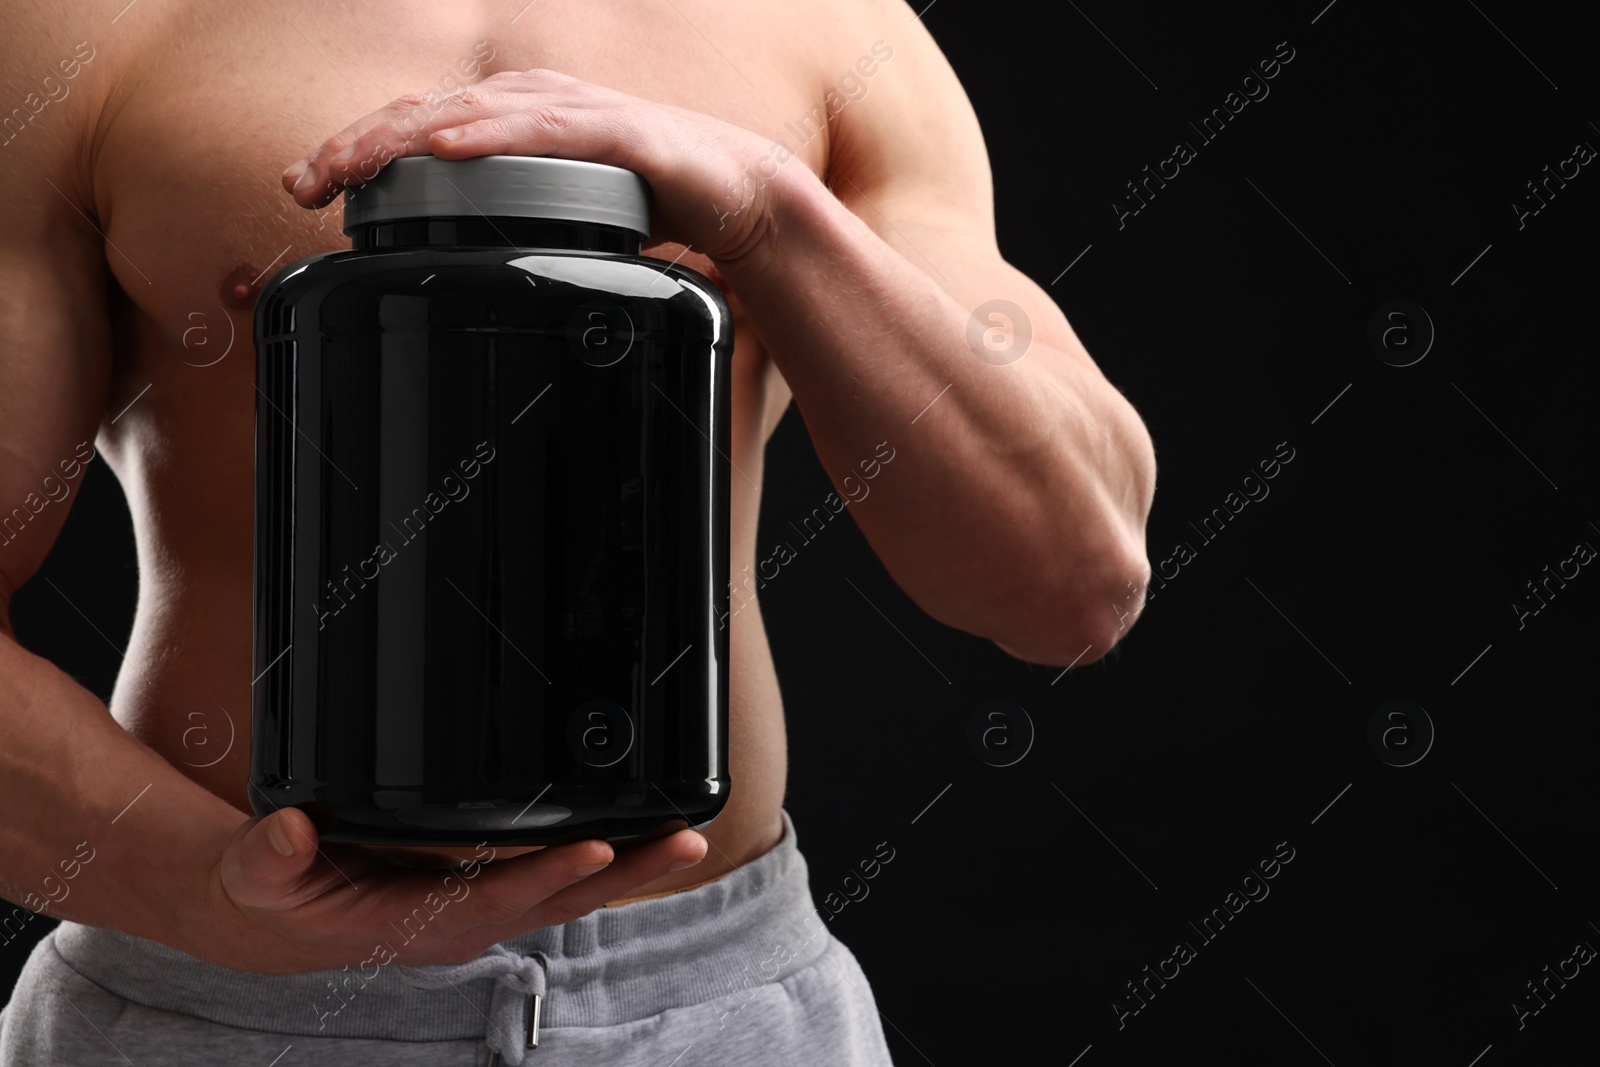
<point x="757" y="924"/>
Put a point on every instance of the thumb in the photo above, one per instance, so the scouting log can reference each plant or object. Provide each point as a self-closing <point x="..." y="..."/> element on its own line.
<point x="266" y="866"/>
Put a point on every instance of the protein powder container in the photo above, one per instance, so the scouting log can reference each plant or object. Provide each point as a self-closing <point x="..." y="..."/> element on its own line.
<point x="491" y="516"/>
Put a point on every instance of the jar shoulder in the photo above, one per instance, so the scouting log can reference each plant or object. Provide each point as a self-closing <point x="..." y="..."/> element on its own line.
<point x="557" y="274"/>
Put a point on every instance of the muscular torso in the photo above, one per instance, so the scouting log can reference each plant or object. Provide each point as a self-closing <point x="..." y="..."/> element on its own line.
<point x="206" y="105"/>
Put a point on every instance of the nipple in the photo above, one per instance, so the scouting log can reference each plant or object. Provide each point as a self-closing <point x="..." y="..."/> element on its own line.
<point x="241" y="287"/>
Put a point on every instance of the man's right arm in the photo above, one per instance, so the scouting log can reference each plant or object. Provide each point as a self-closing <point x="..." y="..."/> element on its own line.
<point x="166" y="859"/>
<point x="67" y="769"/>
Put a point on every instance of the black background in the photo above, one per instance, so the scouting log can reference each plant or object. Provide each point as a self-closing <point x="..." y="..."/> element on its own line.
<point x="1381" y="566"/>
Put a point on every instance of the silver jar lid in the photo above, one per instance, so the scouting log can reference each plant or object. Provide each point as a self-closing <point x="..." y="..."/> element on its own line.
<point x="536" y="187"/>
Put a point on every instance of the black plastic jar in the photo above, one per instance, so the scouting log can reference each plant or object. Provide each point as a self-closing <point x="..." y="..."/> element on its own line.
<point x="491" y="516"/>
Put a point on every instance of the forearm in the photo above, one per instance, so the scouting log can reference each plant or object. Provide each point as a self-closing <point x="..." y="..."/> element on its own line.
<point x="98" y="828"/>
<point x="1015" y="504"/>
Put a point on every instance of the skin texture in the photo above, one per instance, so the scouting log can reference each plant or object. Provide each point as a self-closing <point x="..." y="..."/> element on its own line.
<point x="155" y="200"/>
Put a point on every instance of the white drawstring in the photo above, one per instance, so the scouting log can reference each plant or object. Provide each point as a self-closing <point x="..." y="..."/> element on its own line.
<point x="519" y="988"/>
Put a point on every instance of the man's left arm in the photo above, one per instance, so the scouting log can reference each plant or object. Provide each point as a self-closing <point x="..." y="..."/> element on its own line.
<point x="1016" y="503"/>
<point x="1017" y="497"/>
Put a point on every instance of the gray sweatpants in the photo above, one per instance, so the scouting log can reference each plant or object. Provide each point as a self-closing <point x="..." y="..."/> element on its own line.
<point x="738" y="972"/>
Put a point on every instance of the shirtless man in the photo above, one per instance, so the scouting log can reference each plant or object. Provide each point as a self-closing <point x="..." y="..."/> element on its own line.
<point x="141" y="177"/>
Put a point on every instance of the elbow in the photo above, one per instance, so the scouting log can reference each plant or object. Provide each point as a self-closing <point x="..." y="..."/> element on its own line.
<point x="1078" y="616"/>
<point x="1074" y="643"/>
<point x="1090" y="576"/>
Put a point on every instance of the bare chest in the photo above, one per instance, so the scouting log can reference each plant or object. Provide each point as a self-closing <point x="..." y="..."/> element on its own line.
<point x="216" y="100"/>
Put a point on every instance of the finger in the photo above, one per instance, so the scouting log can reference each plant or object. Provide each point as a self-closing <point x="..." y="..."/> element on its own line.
<point x="502" y="892"/>
<point x="402" y="128"/>
<point x="593" y="134"/>
<point x="268" y="866"/>
<point x="310" y="180"/>
<point x="635" y="866"/>
<point x="505" y="94"/>
<point x="444" y="857"/>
